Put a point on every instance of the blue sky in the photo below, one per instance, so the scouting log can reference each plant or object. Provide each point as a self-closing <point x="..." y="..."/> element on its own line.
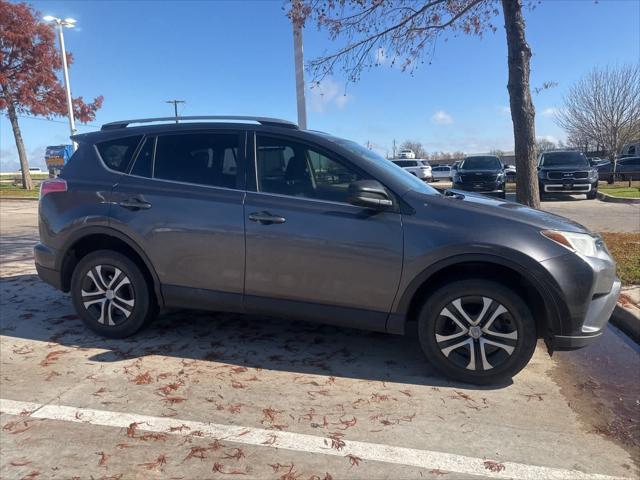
<point x="236" y="57"/>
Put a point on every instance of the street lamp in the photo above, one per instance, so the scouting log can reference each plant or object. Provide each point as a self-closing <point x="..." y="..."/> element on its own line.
<point x="69" y="23"/>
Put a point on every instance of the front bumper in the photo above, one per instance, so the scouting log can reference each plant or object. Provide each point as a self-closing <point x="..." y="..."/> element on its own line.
<point x="573" y="186"/>
<point x="585" y="295"/>
<point x="597" y="318"/>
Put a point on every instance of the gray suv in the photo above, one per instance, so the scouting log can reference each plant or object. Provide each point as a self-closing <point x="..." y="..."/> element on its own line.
<point x="253" y="215"/>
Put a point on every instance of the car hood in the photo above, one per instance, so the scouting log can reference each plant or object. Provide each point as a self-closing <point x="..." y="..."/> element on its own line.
<point x="479" y="204"/>
<point x="478" y="171"/>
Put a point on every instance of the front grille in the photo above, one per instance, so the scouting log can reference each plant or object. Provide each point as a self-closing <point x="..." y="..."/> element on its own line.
<point x="478" y="177"/>
<point x="566" y="175"/>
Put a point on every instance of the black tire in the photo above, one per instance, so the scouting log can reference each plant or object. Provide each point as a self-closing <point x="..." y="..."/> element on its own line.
<point x="122" y="310"/>
<point x="516" y="318"/>
<point x="591" y="195"/>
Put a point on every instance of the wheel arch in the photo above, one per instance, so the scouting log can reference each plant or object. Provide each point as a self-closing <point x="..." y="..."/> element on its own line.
<point x="95" y="238"/>
<point x="529" y="280"/>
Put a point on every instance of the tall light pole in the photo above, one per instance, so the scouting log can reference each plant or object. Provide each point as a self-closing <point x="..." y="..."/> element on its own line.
<point x="299" y="64"/>
<point x="68" y="23"/>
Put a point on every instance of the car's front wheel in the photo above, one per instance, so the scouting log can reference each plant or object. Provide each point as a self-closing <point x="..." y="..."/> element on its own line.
<point x="591" y="195"/>
<point x="111" y="294"/>
<point x="477" y="331"/>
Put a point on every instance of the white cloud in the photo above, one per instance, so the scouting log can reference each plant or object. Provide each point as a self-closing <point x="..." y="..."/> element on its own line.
<point x="442" y="118"/>
<point x="327" y="93"/>
<point x="549" y="112"/>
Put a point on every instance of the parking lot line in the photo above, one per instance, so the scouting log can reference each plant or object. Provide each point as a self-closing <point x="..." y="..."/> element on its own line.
<point x="297" y="442"/>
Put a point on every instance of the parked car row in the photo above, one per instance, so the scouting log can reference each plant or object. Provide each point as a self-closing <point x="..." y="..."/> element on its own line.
<point x="626" y="168"/>
<point x="560" y="172"/>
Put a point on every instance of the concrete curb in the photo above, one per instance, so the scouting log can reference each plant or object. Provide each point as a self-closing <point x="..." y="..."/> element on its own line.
<point x="626" y="321"/>
<point x="18" y="198"/>
<point x="608" y="198"/>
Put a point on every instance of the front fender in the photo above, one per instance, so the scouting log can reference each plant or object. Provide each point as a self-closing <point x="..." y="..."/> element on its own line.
<point x="531" y="270"/>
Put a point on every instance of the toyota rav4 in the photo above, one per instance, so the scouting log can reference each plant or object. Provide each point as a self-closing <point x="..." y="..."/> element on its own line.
<point x="253" y="215"/>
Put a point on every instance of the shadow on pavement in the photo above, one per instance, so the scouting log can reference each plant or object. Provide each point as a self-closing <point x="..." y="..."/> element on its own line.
<point x="38" y="312"/>
<point x="16" y="247"/>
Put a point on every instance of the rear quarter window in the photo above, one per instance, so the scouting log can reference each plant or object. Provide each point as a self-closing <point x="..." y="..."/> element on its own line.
<point x="117" y="153"/>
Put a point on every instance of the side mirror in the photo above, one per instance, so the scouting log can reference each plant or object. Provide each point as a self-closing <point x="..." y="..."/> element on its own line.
<point x="369" y="194"/>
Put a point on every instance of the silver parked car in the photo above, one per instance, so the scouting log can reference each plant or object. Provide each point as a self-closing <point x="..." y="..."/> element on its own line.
<point x="441" y="172"/>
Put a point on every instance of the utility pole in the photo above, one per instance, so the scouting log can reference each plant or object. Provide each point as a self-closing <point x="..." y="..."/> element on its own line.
<point x="298" y="58"/>
<point x="175" y="106"/>
<point x="394" y="148"/>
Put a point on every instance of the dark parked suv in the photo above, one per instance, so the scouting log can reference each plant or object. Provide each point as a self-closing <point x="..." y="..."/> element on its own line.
<point x="566" y="172"/>
<point x="481" y="173"/>
<point x="253" y="215"/>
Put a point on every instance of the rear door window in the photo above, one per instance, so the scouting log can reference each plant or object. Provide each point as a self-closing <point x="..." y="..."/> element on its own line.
<point x="117" y="153"/>
<point x="207" y="158"/>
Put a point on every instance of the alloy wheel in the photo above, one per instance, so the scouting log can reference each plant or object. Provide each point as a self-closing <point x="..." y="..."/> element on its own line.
<point x="476" y="333"/>
<point x="108" y="295"/>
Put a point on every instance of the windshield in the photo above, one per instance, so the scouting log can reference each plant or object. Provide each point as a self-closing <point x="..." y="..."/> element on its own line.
<point x="559" y="159"/>
<point x="391" y="169"/>
<point x="481" y="163"/>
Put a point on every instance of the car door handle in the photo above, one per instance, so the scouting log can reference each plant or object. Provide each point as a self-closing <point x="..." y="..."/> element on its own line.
<point x="265" y="218"/>
<point x="134" y="204"/>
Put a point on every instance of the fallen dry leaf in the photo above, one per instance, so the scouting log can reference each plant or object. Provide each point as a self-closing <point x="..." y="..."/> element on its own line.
<point x="493" y="466"/>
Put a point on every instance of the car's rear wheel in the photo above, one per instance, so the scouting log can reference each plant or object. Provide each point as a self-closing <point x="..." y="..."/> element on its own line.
<point x="477" y="331"/>
<point x="111" y="294"/>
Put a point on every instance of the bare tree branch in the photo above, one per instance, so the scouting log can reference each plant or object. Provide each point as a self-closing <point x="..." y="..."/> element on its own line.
<point x="603" y="109"/>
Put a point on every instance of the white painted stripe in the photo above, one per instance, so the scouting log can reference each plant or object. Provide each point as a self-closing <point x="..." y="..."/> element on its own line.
<point x="297" y="442"/>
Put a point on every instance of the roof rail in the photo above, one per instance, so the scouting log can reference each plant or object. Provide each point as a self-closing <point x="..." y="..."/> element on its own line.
<point x="261" y="120"/>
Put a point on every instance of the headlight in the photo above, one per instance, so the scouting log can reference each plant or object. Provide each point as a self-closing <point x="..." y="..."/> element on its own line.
<point x="500" y="177"/>
<point x="582" y="243"/>
<point x="542" y="175"/>
<point x="593" y="174"/>
<point x="457" y="178"/>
